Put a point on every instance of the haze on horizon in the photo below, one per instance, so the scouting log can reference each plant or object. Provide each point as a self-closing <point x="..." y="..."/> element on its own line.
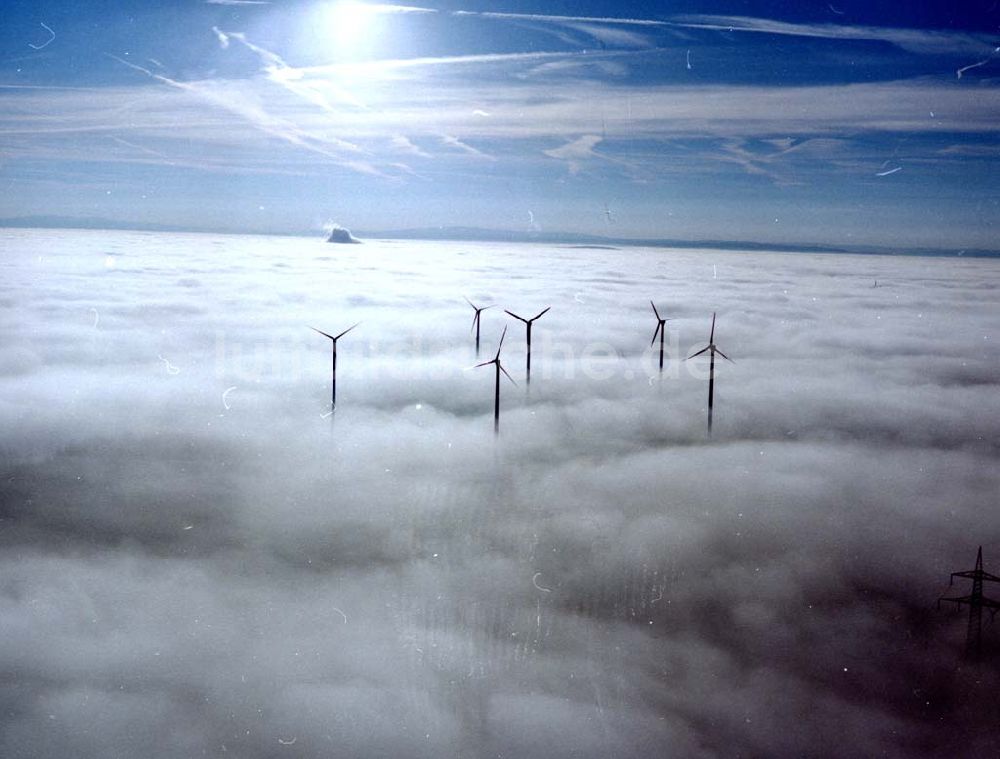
<point x="840" y="123"/>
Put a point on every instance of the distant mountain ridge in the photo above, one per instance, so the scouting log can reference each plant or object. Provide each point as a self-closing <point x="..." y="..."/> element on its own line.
<point x="478" y="234"/>
<point x="70" y="222"/>
<point x="474" y="234"/>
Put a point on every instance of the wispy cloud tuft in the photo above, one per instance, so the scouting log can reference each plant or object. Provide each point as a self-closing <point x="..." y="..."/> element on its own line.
<point x="599" y="66"/>
<point x="576" y="152"/>
<point x="221" y="36"/>
<point x="454" y="142"/>
<point x="402" y="144"/>
<point x="612" y="36"/>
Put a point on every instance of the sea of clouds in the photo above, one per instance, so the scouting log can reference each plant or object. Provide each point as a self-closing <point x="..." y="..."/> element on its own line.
<point x="196" y="558"/>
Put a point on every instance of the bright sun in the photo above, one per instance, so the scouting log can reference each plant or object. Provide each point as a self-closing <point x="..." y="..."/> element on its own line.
<point x="351" y="22"/>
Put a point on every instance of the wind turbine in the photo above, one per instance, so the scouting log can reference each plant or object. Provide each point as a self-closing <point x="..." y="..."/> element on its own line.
<point x="659" y="329"/>
<point x="333" y="394"/>
<point x="475" y="320"/>
<point x="528" y="322"/>
<point x="496" y="397"/>
<point x="711" y="368"/>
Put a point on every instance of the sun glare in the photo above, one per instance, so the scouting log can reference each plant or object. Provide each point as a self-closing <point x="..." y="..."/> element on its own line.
<point x="351" y="22"/>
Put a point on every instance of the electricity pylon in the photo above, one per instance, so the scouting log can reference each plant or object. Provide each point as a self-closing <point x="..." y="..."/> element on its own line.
<point x="976" y="601"/>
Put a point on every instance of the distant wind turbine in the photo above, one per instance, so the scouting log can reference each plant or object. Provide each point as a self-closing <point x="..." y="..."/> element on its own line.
<point x="528" y="322"/>
<point x="333" y="393"/>
<point x="659" y="330"/>
<point x="475" y="320"/>
<point x="711" y="369"/>
<point x="499" y="368"/>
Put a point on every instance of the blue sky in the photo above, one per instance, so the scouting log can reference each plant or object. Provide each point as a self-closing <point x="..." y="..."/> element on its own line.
<point x="843" y="122"/>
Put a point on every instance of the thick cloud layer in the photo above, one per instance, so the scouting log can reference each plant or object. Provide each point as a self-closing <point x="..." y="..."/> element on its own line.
<point x="198" y="560"/>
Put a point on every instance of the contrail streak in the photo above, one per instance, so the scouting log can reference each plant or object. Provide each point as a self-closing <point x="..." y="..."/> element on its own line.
<point x="264" y="122"/>
<point x="290" y="77"/>
<point x="563" y="19"/>
<point x="392" y="64"/>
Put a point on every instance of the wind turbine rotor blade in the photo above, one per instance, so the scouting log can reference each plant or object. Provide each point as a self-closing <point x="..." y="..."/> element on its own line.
<point x="540" y="315"/>
<point x="654" y="310"/>
<point x="470" y="302"/>
<point x="475" y="319"/>
<point x="724" y="356"/>
<point x="515" y="315"/>
<point x="502" y="336"/>
<point x="485" y="363"/>
<point x="347" y="330"/>
<point x="697" y="354"/>
<point x="711" y="337"/>
<point x="656" y="332"/>
<point x="322" y="333"/>
<point x="505" y="372"/>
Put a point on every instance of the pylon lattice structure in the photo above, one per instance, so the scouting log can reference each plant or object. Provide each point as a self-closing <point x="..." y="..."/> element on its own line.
<point x="976" y="602"/>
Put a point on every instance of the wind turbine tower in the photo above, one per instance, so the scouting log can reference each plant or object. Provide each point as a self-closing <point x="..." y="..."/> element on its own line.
<point x="659" y="330"/>
<point x="475" y="320"/>
<point x="496" y="395"/>
<point x="712" y="349"/>
<point x="528" y="323"/>
<point x="333" y="340"/>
